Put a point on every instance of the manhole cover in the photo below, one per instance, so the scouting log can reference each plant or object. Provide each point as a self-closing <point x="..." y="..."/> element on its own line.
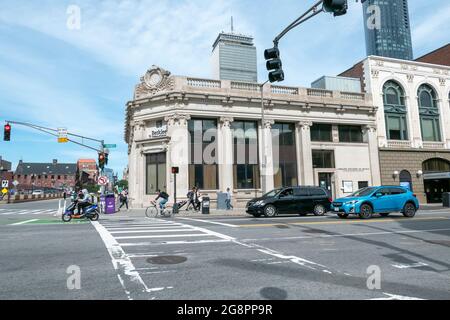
<point x="282" y="226"/>
<point x="167" y="260"/>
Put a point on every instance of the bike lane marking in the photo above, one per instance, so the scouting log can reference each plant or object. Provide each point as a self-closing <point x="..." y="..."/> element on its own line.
<point x="24" y="222"/>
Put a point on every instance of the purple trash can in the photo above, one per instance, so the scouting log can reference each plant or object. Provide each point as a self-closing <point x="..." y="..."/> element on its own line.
<point x="110" y="204"/>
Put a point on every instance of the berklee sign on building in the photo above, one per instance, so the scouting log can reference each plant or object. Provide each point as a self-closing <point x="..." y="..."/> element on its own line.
<point x="212" y="130"/>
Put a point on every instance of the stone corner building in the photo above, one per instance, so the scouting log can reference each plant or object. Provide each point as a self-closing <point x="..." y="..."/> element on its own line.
<point x="325" y="138"/>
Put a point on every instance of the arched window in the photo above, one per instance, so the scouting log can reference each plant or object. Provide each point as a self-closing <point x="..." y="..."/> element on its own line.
<point x="406" y="180"/>
<point x="436" y="165"/>
<point x="429" y="113"/>
<point x="395" y="111"/>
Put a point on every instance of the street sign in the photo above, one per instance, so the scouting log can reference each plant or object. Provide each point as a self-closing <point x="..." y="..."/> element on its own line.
<point x="103" y="181"/>
<point x="15" y="183"/>
<point x="110" y="146"/>
<point x="5" y="191"/>
<point x="62" y="135"/>
<point x="5" y="184"/>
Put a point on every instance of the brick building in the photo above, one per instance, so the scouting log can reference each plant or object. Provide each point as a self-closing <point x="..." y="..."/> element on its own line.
<point x="413" y="119"/>
<point x="45" y="175"/>
<point x="87" y="172"/>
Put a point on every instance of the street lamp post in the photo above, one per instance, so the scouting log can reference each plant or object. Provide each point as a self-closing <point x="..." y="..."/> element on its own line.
<point x="263" y="140"/>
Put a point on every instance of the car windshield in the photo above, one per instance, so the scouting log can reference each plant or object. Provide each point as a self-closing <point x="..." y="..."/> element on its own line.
<point x="272" y="193"/>
<point x="363" y="192"/>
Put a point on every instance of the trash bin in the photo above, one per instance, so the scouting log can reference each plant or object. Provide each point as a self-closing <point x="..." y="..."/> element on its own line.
<point x="110" y="204"/>
<point x="221" y="201"/>
<point x="206" y="204"/>
<point x="446" y="199"/>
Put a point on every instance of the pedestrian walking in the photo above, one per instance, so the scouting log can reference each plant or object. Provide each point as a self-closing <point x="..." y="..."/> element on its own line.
<point x="229" y="200"/>
<point x="124" y="199"/>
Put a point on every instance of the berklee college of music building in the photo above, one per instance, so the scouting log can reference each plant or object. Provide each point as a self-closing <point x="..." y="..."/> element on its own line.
<point x="394" y="130"/>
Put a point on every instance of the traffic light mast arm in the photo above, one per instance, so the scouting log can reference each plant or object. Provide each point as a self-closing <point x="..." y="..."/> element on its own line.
<point x="304" y="17"/>
<point x="51" y="132"/>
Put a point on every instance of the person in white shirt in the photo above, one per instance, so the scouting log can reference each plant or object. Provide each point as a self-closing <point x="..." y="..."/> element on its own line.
<point x="229" y="199"/>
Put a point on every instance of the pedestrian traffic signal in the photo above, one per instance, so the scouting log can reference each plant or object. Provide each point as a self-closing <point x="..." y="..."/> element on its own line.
<point x="175" y="170"/>
<point x="101" y="160"/>
<point x="274" y="65"/>
<point x="337" y="7"/>
<point x="7" y="132"/>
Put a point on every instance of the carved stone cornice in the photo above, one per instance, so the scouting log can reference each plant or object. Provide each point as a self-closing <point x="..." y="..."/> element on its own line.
<point x="304" y="125"/>
<point x="268" y="123"/>
<point x="155" y="80"/>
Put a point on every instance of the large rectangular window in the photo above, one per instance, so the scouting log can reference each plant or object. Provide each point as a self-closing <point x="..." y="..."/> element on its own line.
<point x="155" y="172"/>
<point x="396" y="127"/>
<point x="323" y="159"/>
<point x="430" y="129"/>
<point x="246" y="160"/>
<point x="203" y="166"/>
<point x="322" y="132"/>
<point x="285" y="174"/>
<point x="351" y="134"/>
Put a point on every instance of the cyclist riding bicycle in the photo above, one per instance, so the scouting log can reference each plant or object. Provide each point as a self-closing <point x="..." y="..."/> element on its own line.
<point x="164" y="199"/>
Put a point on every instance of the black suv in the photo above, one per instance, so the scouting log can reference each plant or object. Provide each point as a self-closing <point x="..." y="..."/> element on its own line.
<point x="295" y="200"/>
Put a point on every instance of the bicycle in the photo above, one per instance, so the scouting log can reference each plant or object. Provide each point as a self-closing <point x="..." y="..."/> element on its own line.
<point x="154" y="212"/>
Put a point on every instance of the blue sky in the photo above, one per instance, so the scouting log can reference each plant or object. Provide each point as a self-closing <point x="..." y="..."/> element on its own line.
<point x="82" y="79"/>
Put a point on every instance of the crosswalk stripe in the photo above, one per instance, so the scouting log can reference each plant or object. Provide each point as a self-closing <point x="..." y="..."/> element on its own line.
<point x="163" y="236"/>
<point x="151" y="231"/>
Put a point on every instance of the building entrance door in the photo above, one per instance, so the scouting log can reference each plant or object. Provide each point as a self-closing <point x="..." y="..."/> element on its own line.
<point x="435" y="188"/>
<point x="326" y="181"/>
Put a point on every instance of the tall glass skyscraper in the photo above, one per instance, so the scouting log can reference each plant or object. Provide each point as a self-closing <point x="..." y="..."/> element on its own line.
<point x="234" y="58"/>
<point x="388" y="31"/>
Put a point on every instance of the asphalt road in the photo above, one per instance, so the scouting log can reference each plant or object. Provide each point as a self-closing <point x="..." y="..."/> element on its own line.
<point x="127" y="256"/>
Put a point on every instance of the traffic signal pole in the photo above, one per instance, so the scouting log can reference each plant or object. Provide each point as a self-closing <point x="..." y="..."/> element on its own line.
<point x="263" y="139"/>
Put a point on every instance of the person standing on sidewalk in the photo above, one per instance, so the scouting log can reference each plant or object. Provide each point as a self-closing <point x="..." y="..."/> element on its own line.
<point x="229" y="199"/>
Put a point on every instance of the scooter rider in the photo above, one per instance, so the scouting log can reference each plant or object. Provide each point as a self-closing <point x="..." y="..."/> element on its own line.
<point x="84" y="202"/>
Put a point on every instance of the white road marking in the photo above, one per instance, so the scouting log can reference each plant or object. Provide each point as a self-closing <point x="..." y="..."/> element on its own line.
<point x="147" y="244"/>
<point x="410" y="266"/>
<point x="211" y="222"/>
<point x="127" y="274"/>
<point x="396" y="297"/>
<point x="345" y="235"/>
<point x="144" y="228"/>
<point x="24" y="222"/>
<point x="162" y="236"/>
<point x="151" y="231"/>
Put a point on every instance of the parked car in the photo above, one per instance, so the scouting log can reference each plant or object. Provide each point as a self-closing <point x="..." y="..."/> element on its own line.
<point x="295" y="200"/>
<point x="382" y="200"/>
<point x="38" y="193"/>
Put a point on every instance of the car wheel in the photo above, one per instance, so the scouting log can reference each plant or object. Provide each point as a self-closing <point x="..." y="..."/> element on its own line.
<point x="385" y="214"/>
<point x="342" y="215"/>
<point x="366" y="212"/>
<point x="270" y="211"/>
<point x="319" y="210"/>
<point x="409" y="211"/>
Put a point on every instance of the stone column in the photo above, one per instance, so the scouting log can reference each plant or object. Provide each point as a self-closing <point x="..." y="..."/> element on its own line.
<point x="267" y="150"/>
<point x="178" y="153"/>
<point x="372" y="140"/>
<point x="305" y="165"/>
<point x="226" y="152"/>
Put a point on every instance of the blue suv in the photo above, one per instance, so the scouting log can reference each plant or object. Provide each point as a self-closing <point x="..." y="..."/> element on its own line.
<point x="382" y="200"/>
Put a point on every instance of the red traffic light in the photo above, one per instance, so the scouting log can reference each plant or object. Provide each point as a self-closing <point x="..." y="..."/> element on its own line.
<point x="7" y="132"/>
<point x="175" y="170"/>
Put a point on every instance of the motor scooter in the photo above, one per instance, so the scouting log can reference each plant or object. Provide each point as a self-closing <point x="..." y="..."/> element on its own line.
<point x="90" y="212"/>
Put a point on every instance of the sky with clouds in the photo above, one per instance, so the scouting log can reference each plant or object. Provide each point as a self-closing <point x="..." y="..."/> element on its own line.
<point x="81" y="79"/>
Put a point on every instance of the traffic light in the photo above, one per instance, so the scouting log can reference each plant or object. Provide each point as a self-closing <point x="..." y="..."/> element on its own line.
<point x="101" y="160"/>
<point x="337" y="7"/>
<point x="274" y="65"/>
<point x="7" y="132"/>
<point x="106" y="158"/>
<point x="175" y="170"/>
